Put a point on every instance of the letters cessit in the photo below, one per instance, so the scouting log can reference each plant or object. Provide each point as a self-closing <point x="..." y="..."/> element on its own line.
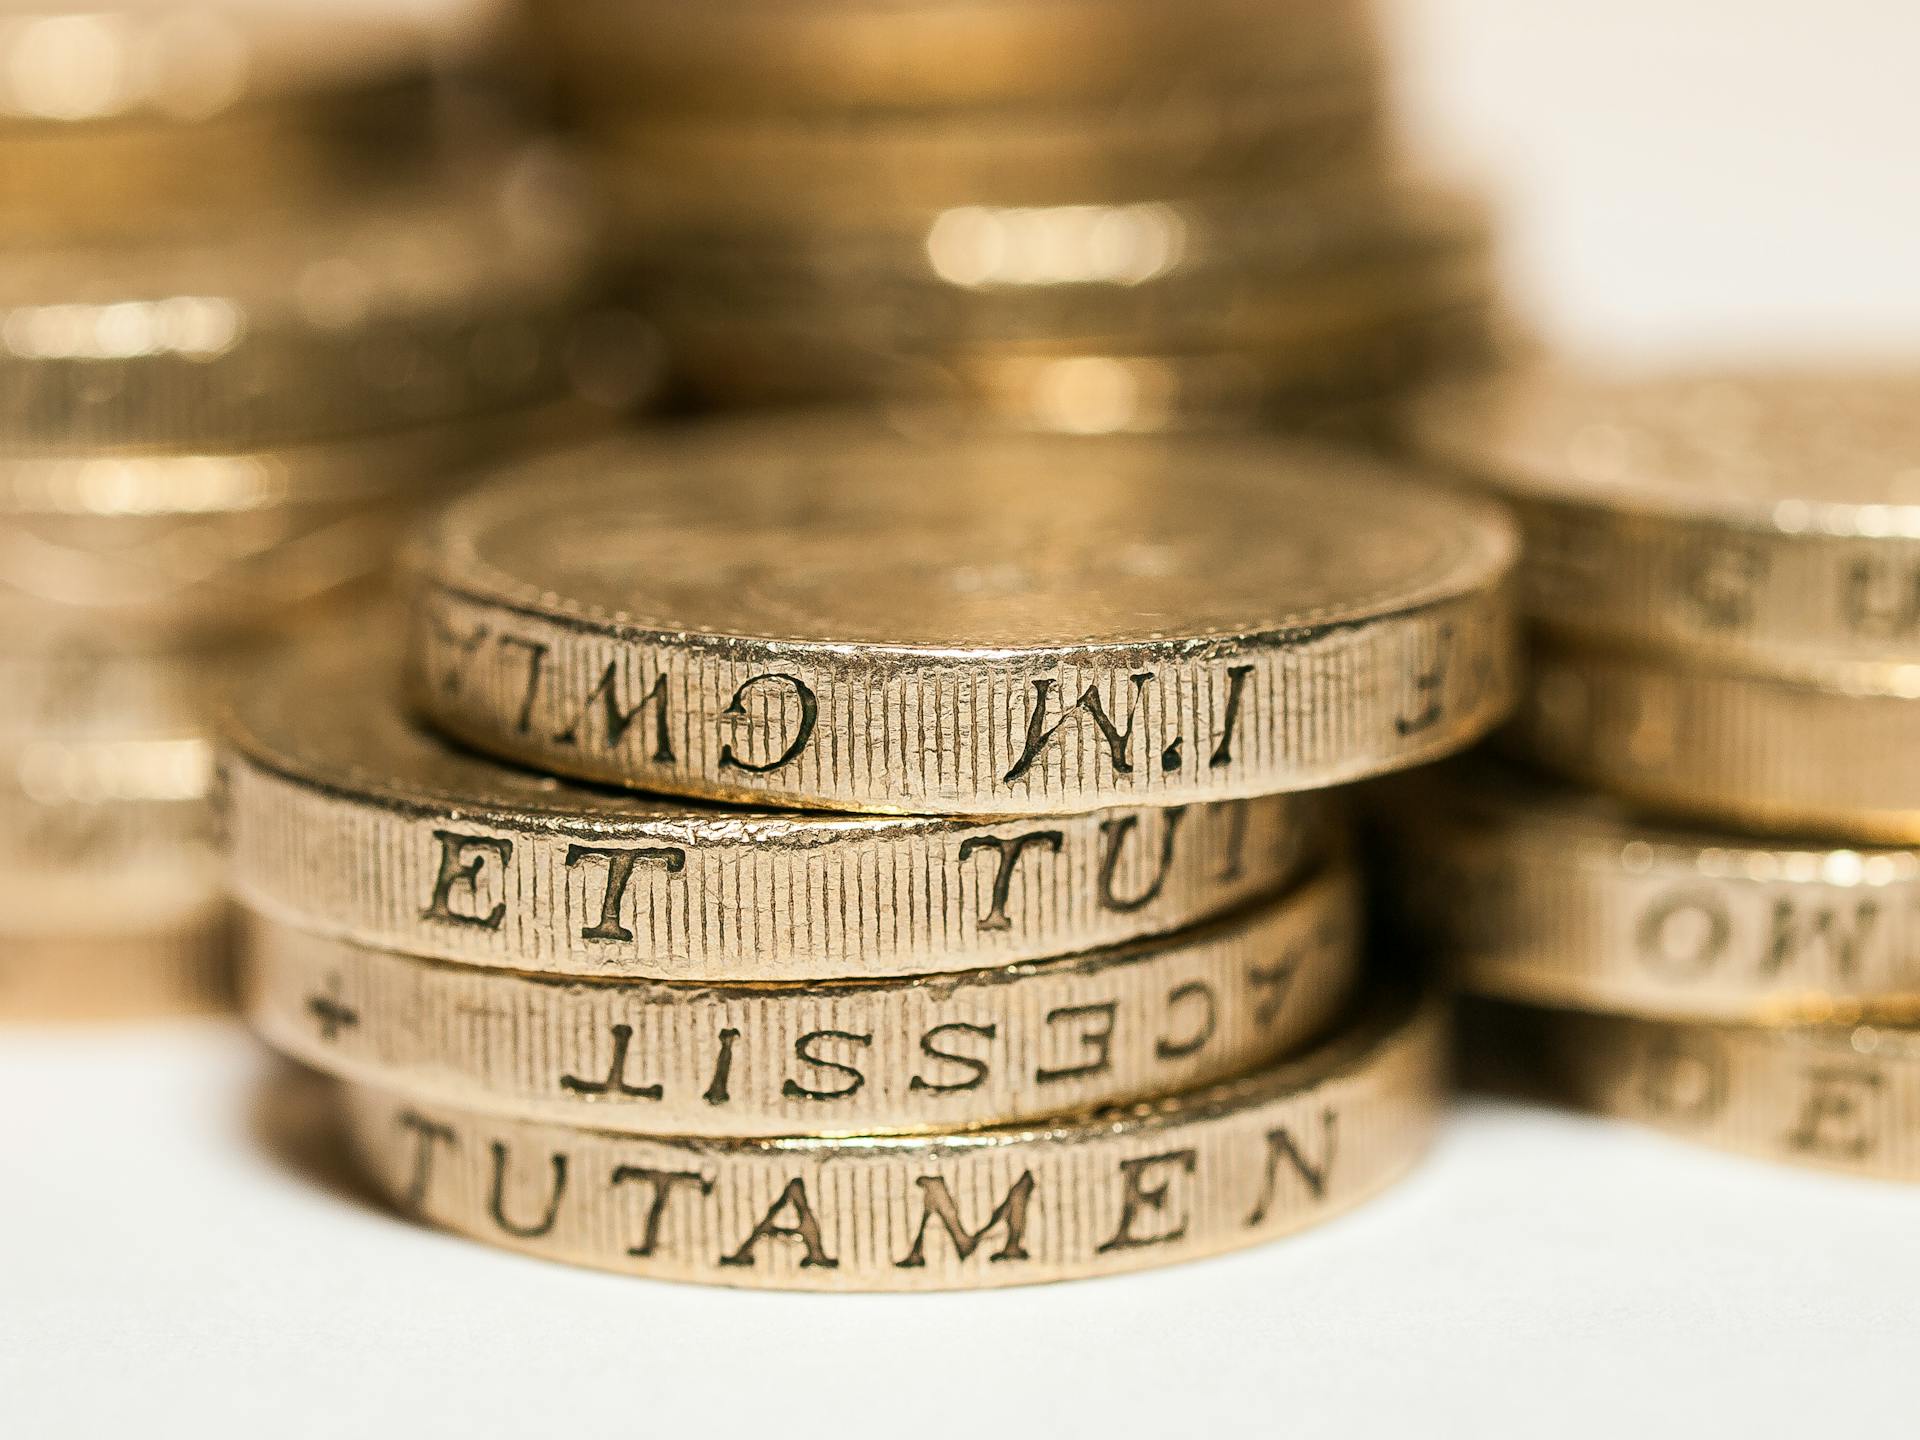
<point x="958" y="1056"/>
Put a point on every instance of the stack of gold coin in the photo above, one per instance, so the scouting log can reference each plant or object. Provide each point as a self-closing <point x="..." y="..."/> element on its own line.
<point x="1083" y="216"/>
<point x="999" y="932"/>
<point x="1705" y="922"/>
<point x="257" y="302"/>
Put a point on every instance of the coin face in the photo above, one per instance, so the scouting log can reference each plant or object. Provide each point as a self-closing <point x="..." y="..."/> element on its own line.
<point x="1793" y="451"/>
<point x="833" y="540"/>
<point x="1772" y="520"/>
<point x="917" y="605"/>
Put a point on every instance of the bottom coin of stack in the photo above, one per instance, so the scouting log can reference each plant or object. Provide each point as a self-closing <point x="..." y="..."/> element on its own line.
<point x="1715" y="937"/>
<point x="592" y="1026"/>
<point x="1147" y="1184"/>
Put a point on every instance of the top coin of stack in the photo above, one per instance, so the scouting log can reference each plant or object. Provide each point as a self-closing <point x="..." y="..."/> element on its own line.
<point x="1722" y="572"/>
<point x="256" y="303"/>
<point x="817" y="615"/>
<point x="1722" y="575"/>
<point x="1075" y="946"/>
<point x="1071" y="214"/>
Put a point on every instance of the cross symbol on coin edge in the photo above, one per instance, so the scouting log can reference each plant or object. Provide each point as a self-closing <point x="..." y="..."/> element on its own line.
<point x="332" y="1015"/>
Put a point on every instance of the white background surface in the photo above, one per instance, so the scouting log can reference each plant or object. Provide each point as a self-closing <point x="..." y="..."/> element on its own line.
<point x="1682" y="174"/>
<point x="166" y="1273"/>
<point x="1705" y="176"/>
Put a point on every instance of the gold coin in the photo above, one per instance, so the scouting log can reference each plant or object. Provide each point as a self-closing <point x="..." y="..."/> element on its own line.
<point x="864" y="1057"/>
<point x="1839" y="1097"/>
<point x="674" y="177"/>
<point x="827" y="615"/>
<point x="1765" y="520"/>
<point x="190" y="578"/>
<point x="119" y="119"/>
<point x="1341" y="304"/>
<point x="378" y="317"/>
<point x="1320" y="371"/>
<point x="128" y="975"/>
<point x="105" y="836"/>
<point x="1008" y="272"/>
<point x="82" y="694"/>
<point x="157" y="62"/>
<point x="112" y="885"/>
<point x="1120" y="393"/>
<point x="1127" y="1189"/>
<point x="106" y="825"/>
<point x="1534" y="891"/>
<point x="1342" y="386"/>
<point x="91" y="485"/>
<point x="351" y="820"/>
<point x="1359" y="336"/>
<point x="743" y="55"/>
<point x="1834" y="751"/>
<point x="192" y="547"/>
<point x="1297" y="286"/>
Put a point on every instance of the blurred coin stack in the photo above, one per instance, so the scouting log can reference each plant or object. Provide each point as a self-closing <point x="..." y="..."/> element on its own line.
<point x="1704" y="924"/>
<point x="258" y="297"/>
<point x="1065" y="215"/>
<point x="1000" y="937"/>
